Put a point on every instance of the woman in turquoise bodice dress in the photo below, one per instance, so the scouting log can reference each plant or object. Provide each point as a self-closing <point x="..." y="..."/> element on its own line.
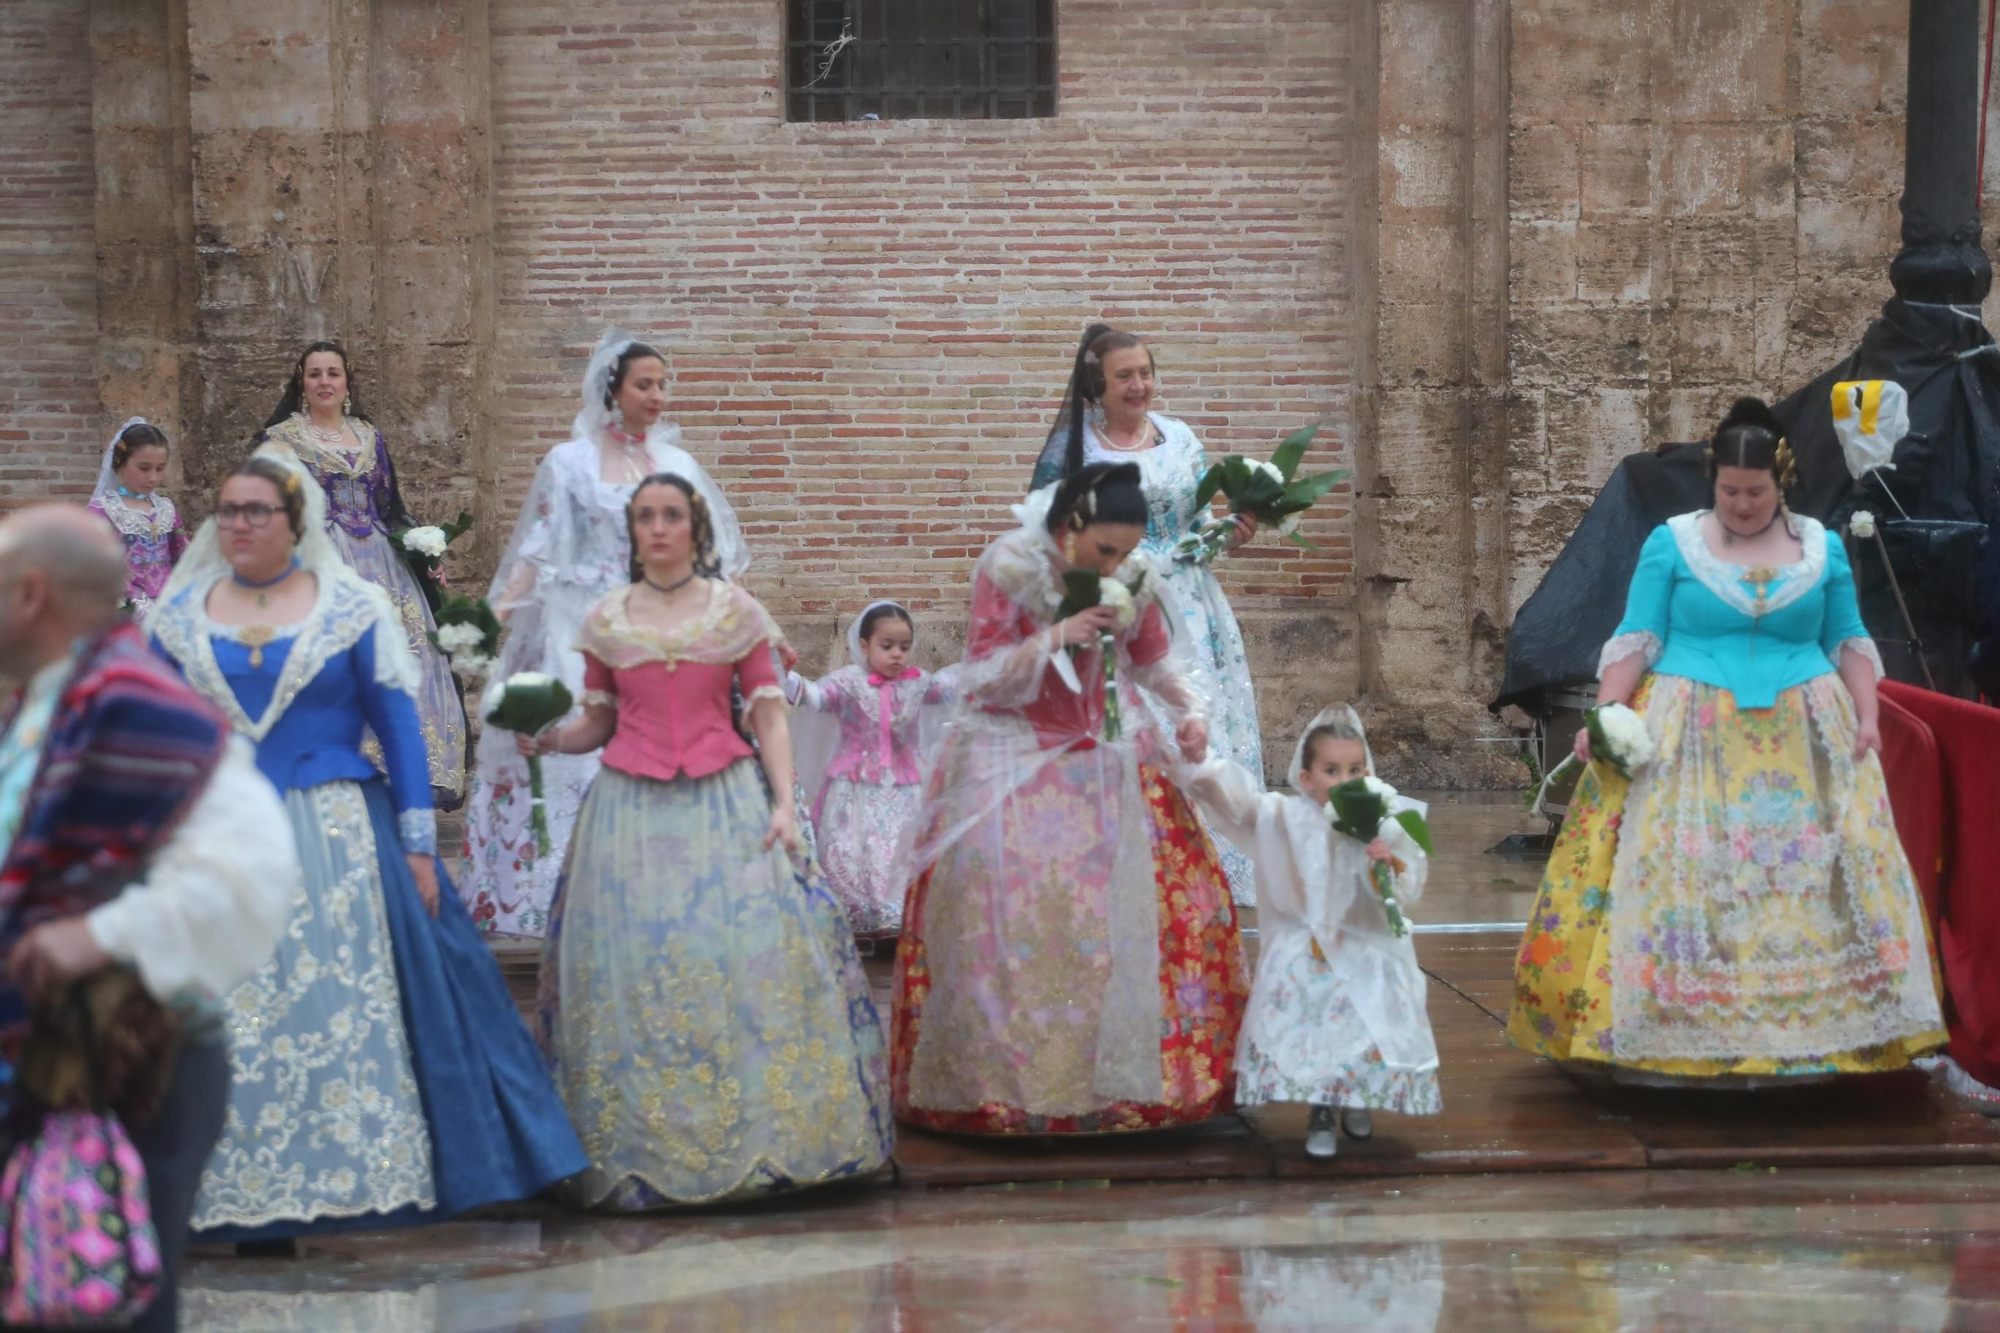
<point x="381" y="1073"/>
<point x="1741" y="908"/>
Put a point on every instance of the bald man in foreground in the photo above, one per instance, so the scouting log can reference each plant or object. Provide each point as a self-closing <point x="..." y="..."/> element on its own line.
<point x="135" y="834"/>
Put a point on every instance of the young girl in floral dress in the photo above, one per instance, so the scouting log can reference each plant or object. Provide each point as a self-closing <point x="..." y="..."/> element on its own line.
<point x="860" y="760"/>
<point x="128" y="495"/>
<point x="1336" y="1016"/>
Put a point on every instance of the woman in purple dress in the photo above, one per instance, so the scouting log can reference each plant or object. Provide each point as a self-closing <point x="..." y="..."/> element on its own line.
<point x="128" y="495"/>
<point x="319" y="422"/>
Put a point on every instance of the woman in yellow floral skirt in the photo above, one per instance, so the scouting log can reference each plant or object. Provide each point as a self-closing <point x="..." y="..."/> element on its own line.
<point x="1741" y="910"/>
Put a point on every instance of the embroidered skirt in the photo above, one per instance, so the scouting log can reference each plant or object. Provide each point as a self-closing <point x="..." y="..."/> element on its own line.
<point x="1304" y="1039"/>
<point x="1742" y="908"/>
<point x="998" y="955"/>
<point x="702" y="1006"/>
<point x="859" y="825"/>
<point x="382" y="1072"/>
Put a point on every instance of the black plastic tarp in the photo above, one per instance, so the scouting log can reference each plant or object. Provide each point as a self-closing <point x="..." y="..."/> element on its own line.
<point x="1945" y="473"/>
<point x="1560" y="629"/>
<point x="1947" y="470"/>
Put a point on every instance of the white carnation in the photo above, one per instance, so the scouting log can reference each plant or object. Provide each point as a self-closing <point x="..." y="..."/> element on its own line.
<point x="1625" y="732"/>
<point x="489" y="701"/>
<point x="1379" y="788"/>
<point x="1289" y="524"/>
<point x="1270" y="470"/>
<point x="473" y="665"/>
<point x="426" y="541"/>
<point x="530" y="680"/>
<point x="1862" y="525"/>
<point x="1118" y="597"/>
<point x="456" y="639"/>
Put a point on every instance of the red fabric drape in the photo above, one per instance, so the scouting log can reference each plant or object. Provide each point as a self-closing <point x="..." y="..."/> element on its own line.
<point x="1910" y="765"/>
<point x="1968" y="743"/>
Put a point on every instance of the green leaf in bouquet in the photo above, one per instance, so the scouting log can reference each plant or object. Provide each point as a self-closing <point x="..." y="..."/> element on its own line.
<point x="1307" y="491"/>
<point x="1293" y="450"/>
<point x="458" y="527"/>
<point x="1357" y="811"/>
<point x="1082" y="589"/>
<point x="1261" y="494"/>
<point x="1419" y="831"/>
<point x="529" y="708"/>
<point x="1205" y="489"/>
<point x="1236" y="474"/>
<point x="1300" y="539"/>
<point x="461" y="610"/>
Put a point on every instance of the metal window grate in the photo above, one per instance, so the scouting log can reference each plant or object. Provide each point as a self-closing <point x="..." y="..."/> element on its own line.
<point x="906" y="59"/>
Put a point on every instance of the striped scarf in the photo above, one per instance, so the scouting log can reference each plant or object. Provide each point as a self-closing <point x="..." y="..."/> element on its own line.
<point x="128" y="750"/>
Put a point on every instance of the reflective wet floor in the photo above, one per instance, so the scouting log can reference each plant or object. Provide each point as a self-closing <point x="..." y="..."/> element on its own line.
<point x="1909" y="1249"/>
<point x="1850" y="1207"/>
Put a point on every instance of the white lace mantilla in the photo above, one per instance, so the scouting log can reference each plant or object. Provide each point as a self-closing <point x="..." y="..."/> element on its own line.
<point x="150" y="524"/>
<point x="1725" y="580"/>
<point x="346" y="608"/>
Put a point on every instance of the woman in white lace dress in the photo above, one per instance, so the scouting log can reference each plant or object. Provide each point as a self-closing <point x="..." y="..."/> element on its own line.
<point x="569" y="548"/>
<point x="1107" y="416"/>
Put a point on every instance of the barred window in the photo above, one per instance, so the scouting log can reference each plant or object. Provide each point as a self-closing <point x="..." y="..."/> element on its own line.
<point x="904" y="59"/>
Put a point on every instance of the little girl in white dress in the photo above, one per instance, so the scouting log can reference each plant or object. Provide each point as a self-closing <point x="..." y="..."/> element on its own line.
<point x="1336" y="1016"/>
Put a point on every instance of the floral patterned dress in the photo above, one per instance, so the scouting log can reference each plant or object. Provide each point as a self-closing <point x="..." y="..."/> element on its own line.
<point x="702" y="1006"/>
<point x="1170" y="472"/>
<point x="154" y="540"/>
<point x="1742" y="907"/>
<point x="1070" y="961"/>
<point x="362" y="507"/>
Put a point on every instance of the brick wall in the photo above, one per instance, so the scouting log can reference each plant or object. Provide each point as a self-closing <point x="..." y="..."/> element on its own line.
<point x="870" y="324"/>
<point x="51" y="429"/>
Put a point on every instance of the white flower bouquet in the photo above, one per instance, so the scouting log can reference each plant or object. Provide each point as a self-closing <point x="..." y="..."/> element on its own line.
<point x="1270" y="492"/>
<point x="468" y="633"/>
<point x="424" y="547"/>
<point x="1618" y="737"/>
<point x="1085" y="588"/>
<point x="1359" y="809"/>
<point x="528" y="701"/>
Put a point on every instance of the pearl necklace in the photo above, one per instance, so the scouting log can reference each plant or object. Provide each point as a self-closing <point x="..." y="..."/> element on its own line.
<point x="325" y="435"/>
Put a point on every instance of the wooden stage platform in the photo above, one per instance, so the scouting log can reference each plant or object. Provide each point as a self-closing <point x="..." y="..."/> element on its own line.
<point x="1504" y="1111"/>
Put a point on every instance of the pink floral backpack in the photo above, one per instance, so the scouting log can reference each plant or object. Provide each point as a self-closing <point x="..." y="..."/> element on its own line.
<point x="77" y="1244"/>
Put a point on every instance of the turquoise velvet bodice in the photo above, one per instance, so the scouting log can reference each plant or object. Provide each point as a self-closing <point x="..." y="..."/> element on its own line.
<point x="1700" y="617"/>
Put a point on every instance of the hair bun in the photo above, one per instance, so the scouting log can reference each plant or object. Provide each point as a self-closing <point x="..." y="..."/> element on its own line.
<point x="1752" y="411"/>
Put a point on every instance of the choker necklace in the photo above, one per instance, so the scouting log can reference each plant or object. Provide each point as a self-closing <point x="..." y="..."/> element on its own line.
<point x="669" y="589"/>
<point x="1730" y="536"/>
<point x="264" y="586"/>
<point x="127" y="493"/>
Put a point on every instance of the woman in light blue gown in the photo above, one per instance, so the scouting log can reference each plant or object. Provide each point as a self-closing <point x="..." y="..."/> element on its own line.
<point x="382" y="1074"/>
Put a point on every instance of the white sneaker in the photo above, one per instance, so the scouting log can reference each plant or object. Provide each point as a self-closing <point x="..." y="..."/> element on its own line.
<point x="1322" y="1140"/>
<point x="1358" y="1123"/>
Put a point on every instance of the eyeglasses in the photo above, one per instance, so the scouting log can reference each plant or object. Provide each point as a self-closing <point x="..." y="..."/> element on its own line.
<point x="251" y="515"/>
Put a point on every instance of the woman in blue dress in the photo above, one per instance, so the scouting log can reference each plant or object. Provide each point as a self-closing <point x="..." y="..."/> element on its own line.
<point x="382" y="1074"/>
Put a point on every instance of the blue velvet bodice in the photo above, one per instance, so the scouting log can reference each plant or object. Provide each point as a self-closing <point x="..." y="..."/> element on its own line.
<point x="317" y="686"/>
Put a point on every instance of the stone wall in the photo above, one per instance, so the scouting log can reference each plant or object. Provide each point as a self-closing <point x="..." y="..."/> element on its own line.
<point x="1495" y="244"/>
<point x="1720" y="223"/>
